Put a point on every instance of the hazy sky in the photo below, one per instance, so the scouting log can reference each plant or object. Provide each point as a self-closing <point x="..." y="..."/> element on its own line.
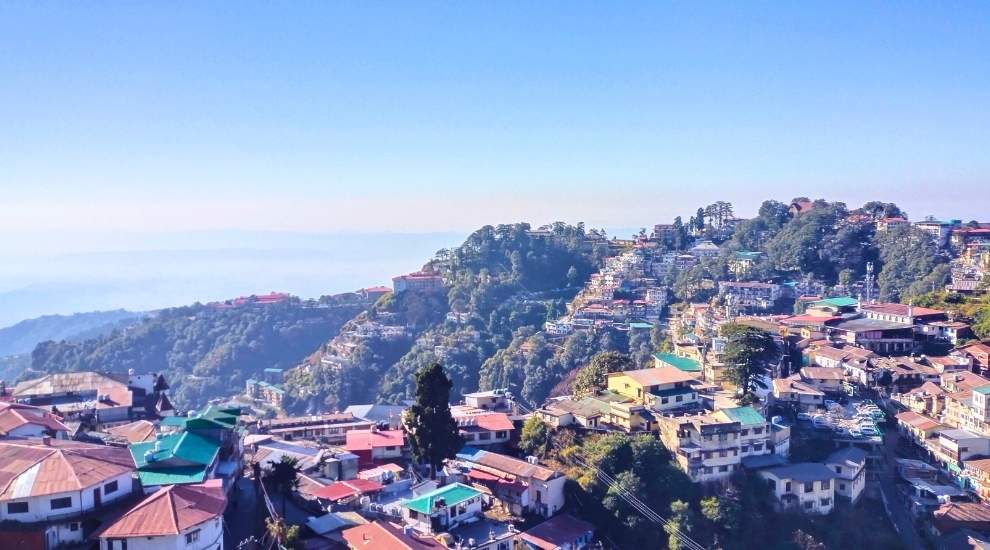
<point x="415" y="116"/>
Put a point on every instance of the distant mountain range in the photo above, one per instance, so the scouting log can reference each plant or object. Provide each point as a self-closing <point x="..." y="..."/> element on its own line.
<point x="22" y="337"/>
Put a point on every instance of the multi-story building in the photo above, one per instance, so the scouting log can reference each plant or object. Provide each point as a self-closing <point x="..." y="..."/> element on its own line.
<point x="52" y="486"/>
<point x="707" y="446"/>
<point x="18" y="421"/>
<point x="326" y="428"/>
<point x="417" y="282"/>
<point x="879" y="336"/>
<point x="374" y="445"/>
<point x="484" y="429"/>
<point x="954" y="446"/>
<point x="807" y="487"/>
<point x="849" y="465"/>
<point x="796" y="393"/>
<point x="663" y="389"/>
<point x="939" y="230"/>
<point x="521" y="485"/>
<point x="749" y="295"/>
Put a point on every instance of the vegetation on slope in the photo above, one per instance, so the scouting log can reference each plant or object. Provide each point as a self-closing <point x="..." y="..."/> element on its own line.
<point x="22" y="337"/>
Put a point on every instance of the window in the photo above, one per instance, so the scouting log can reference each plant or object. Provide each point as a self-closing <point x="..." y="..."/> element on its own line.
<point x="723" y="468"/>
<point x="842" y="486"/>
<point x="757" y="446"/>
<point x="110" y="488"/>
<point x="838" y="469"/>
<point x="501" y="435"/>
<point x="708" y="469"/>
<point x="391" y="448"/>
<point x="664" y="400"/>
<point x="826" y="501"/>
<point x="745" y="448"/>
<point x="679" y="398"/>
<point x="757" y="431"/>
<point x="723" y="453"/>
<point x="192" y="536"/>
<point x="787" y="487"/>
<point x="17" y="507"/>
<point x="73" y="526"/>
<point x="826" y="484"/>
<point x="117" y="544"/>
<point x="808" y="505"/>
<point x="772" y="484"/>
<point x="484" y="436"/>
<point x="809" y="486"/>
<point x="59" y="503"/>
<point x="744" y="432"/>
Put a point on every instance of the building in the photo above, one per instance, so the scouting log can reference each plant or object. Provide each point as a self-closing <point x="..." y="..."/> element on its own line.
<point x="956" y="516"/>
<point x="663" y="389"/>
<point x="879" y="336"/>
<point x="978" y="473"/>
<point x="939" y="230"/>
<point x="748" y="296"/>
<point x="902" y="313"/>
<point x="849" y="465"/>
<point x="522" y="486"/>
<point x="806" y="487"/>
<point x="98" y="398"/>
<point x="419" y="281"/>
<point x="980" y="354"/>
<point x="824" y="379"/>
<point x="375" y="445"/>
<point x="917" y="427"/>
<point x="18" y="421"/>
<point x="53" y="485"/>
<point x="891" y="222"/>
<point x="686" y="364"/>
<point x="704" y="249"/>
<point x="382" y="535"/>
<point x="705" y="446"/>
<point x="178" y="458"/>
<point x="388" y="415"/>
<point x="485" y="429"/>
<point x="798" y="394"/>
<point x="134" y="432"/>
<point x="442" y="509"/>
<point x="754" y="430"/>
<point x="585" y="412"/>
<point x="954" y="446"/>
<point x="325" y="428"/>
<point x="264" y="391"/>
<point x="180" y="517"/>
<point x="561" y="532"/>
<point x="491" y="400"/>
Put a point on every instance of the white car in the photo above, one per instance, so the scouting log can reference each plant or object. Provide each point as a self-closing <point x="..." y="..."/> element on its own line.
<point x="869" y="431"/>
<point x="855" y="432"/>
<point x="804" y="416"/>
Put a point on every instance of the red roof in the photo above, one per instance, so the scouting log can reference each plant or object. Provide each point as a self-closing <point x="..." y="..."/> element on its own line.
<point x="346" y="489"/>
<point x="170" y="511"/>
<point x="40" y="467"/>
<point x="901" y="309"/>
<point x="378" y="289"/>
<point x="381" y="535"/>
<point x="15" y="415"/>
<point x="560" y="531"/>
<point x="364" y="440"/>
<point x="493" y="422"/>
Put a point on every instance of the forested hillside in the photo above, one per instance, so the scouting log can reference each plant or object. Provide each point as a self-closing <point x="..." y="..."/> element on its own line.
<point x="501" y="282"/>
<point x="23" y="336"/>
<point x="205" y="351"/>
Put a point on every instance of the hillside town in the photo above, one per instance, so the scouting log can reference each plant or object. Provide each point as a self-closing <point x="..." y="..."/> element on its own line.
<point x="825" y="395"/>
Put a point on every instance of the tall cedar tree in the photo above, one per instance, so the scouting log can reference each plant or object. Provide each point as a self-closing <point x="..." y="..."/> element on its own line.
<point x="746" y="355"/>
<point x="432" y="429"/>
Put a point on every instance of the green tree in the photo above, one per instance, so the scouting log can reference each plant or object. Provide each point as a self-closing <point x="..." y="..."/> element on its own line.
<point x="284" y="476"/>
<point x="287" y="536"/>
<point x="534" y="437"/>
<point x="592" y="377"/>
<point x="680" y="524"/>
<point x="747" y="351"/>
<point x="432" y="429"/>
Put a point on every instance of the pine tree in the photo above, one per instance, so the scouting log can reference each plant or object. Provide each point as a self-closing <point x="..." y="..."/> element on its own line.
<point x="433" y="431"/>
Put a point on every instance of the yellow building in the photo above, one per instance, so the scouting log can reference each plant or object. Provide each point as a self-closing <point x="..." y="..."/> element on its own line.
<point x="662" y="388"/>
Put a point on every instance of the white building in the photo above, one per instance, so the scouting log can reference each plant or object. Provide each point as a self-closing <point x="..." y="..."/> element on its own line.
<point x="807" y="487"/>
<point x="849" y="465"/>
<point x="176" y="517"/>
<point x="55" y="482"/>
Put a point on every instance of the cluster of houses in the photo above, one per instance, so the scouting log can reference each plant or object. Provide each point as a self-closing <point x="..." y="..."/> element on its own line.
<point x="95" y="459"/>
<point x="359" y="488"/>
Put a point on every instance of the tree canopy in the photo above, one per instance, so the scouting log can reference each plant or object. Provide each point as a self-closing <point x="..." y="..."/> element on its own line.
<point x="432" y="430"/>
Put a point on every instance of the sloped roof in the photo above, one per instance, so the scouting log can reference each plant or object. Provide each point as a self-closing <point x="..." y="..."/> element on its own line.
<point x="745" y="416"/>
<point x="655" y="376"/>
<point x="346" y="489"/>
<point x="15" y="415"/>
<point x="170" y="511"/>
<point x="557" y="532"/>
<point x="804" y="471"/>
<point x="507" y="464"/>
<point x="492" y="422"/>
<point x="380" y="535"/>
<point x="64" y="382"/>
<point x="685" y="364"/>
<point x="181" y="448"/>
<point x="364" y="440"/>
<point x="850" y="456"/>
<point x="33" y="467"/>
<point x="452" y="494"/>
<point x="135" y="432"/>
<point x="823" y="373"/>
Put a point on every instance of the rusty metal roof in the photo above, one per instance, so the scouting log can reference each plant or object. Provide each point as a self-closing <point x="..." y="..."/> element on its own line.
<point x="43" y="467"/>
<point x="170" y="511"/>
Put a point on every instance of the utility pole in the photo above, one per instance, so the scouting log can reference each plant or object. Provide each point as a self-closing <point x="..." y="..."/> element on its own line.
<point x="869" y="282"/>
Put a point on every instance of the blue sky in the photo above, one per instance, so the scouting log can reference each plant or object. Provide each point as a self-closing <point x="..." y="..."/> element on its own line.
<point x="135" y="117"/>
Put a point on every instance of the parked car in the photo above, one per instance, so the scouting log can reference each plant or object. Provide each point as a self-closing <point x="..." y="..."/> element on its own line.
<point x="804" y="416"/>
<point x="855" y="432"/>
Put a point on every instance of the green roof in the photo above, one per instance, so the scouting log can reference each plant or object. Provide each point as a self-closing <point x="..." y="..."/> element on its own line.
<point x="172" y="476"/>
<point x="985" y="390"/>
<point x="681" y="363"/>
<point x="452" y="494"/>
<point x="637" y="325"/>
<point x="747" y="255"/>
<point x="747" y="416"/>
<point x="188" y="447"/>
<point x="839" y="301"/>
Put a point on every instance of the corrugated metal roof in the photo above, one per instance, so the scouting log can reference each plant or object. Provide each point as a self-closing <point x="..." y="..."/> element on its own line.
<point x="33" y="468"/>
<point x="170" y="511"/>
<point x="452" y="494"/>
